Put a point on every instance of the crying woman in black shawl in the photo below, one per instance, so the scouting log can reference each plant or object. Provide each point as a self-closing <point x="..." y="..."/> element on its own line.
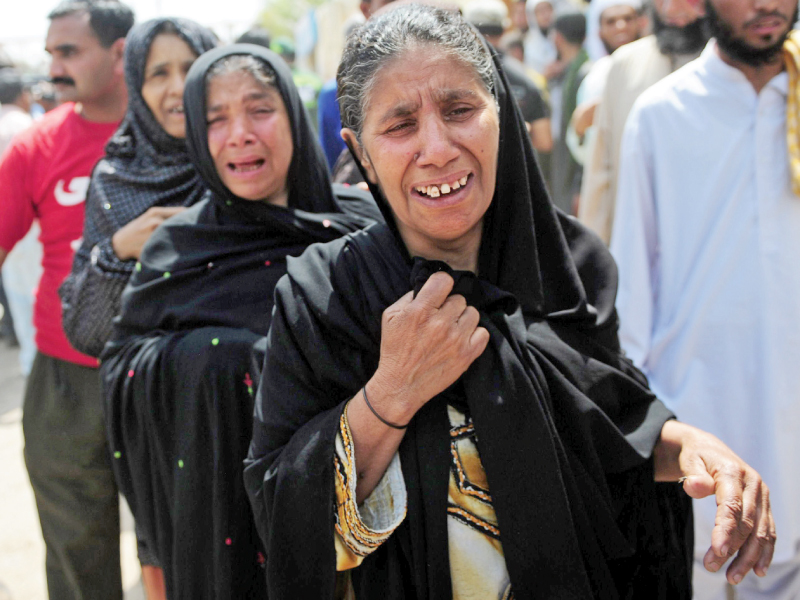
<point x="444" y="410"/>
<point x="180" y="372"/>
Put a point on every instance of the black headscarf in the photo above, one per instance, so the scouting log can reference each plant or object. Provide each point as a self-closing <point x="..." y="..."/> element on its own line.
<point x="143" y="162"/>
<point x="566" y="425"/>
<point x="179" y="375"/>
<point x="226" y="240"/>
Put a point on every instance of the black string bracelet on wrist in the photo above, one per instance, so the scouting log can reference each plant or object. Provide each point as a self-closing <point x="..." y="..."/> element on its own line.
<point x="380" y="418"/>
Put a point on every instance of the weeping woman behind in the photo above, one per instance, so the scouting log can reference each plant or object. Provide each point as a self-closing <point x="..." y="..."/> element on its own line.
<point x="179" y="373"/>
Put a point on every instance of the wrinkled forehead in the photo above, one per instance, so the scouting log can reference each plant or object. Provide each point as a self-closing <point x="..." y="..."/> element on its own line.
<point x="237" y="86"/>
<point x="421" y="71"/>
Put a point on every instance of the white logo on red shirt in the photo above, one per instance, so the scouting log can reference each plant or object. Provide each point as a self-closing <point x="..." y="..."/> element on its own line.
<point x="75" y="192"/>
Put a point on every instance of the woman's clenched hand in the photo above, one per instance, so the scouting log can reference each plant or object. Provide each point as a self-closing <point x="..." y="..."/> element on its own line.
<point x="427" y="343"/>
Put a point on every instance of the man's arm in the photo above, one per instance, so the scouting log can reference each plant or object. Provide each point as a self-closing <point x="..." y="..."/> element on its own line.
<point x="596" y="208"/>
<point x="16" y="209"/>
<point x="542" y="135"/>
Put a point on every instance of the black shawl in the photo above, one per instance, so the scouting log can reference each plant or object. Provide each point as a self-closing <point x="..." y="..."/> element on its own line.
<point x="144" y="167"/>
<point x="178" y="375"/>
<point x="566" y="425"/>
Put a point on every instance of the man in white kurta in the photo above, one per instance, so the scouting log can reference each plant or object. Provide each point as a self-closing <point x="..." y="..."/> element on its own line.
<point x="707" y="238"/>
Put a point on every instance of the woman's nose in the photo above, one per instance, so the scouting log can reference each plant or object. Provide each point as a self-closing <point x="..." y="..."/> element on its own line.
<point x="176" y="84"/>
<point x="240" y="133"/>
<point x="437" y="147"/>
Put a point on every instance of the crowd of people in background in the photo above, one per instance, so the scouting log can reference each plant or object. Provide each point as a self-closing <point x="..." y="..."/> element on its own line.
<point x="618" y="297"/>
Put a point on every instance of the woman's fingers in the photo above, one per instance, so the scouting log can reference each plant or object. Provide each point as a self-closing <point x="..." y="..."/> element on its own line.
<point x="736" y="512"/>
<point x="768" y="535"/>
<point x="435" y="291"/>
<point x="756" y="551"/>
<point x="744" y="521"/>
<point x="427" y="342"/>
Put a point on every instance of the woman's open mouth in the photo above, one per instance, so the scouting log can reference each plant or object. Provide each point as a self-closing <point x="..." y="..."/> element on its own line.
<point x="443" y="189"/>
<point x="248" y="166"/>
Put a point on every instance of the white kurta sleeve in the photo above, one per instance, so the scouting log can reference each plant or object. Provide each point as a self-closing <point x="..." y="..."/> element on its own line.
<point x="634" y="242"/>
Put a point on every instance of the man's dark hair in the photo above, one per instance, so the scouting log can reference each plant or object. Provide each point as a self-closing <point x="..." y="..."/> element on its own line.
<point x="109" y="19"/>
<point x="11" y="85"/>
<point x="256" y="35"/>
<point x="572" y="26"/>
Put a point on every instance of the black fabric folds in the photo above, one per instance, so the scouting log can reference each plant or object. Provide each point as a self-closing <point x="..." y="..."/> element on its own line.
<point x="566" y="425"/>
<point x="179" y="374"/>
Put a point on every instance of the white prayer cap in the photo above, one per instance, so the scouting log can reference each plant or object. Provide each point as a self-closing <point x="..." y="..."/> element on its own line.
<point x="598" y="6"/>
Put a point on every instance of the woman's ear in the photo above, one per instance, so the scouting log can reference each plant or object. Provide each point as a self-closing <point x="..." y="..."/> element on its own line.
<point x="349" y="137"/>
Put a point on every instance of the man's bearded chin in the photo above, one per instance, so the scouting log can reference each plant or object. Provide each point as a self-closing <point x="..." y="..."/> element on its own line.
<point x="739" y="50"/>
<point x="689" y="39"/>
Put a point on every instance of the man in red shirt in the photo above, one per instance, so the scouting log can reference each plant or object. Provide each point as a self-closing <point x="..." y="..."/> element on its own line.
<point x="44" y="174"/>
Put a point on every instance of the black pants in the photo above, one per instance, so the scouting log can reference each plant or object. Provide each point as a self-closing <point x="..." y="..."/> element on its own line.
<point x="69" y="466"/>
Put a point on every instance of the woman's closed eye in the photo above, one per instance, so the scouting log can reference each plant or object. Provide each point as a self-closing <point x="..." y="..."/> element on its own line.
<point x="261" y="111"/>
<point x="459" y="113"/>
<point x="400" y="127"/>
<point x="157" y="73"/>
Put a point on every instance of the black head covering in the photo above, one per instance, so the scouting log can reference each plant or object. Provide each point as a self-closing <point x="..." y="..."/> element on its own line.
<point x="566" y="426"/>
<point x="237" y="237"/>
<point x="529" y="248"/>
<point x="309" y="184"/>
<point x="144" y="165"/>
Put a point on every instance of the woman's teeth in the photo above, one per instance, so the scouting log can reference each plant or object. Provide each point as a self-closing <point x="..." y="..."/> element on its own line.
<point x="434" y="191"/>
<point x="176" y="110"/>
<point x="245" y="167"/>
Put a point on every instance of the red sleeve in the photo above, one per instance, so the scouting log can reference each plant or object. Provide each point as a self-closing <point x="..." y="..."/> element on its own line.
<point x="16" y="205"/>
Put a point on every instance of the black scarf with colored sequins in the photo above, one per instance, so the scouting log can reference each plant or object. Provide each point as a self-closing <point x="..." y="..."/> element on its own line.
<point x="180" y="373"/>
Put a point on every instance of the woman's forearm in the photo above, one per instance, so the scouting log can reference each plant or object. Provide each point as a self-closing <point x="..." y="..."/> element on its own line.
<point x="666" y="454"/>
<point x="374" y="442"/>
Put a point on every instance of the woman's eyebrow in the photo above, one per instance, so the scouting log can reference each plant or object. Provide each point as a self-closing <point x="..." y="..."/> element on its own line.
<point x="157" y="66"/>
<point x="403" y="109"/>
<point x="453" y="95"/>
<point x="257" y="95"/>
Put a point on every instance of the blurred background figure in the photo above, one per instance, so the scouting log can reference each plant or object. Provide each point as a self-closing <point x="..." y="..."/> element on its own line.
<point x="519" y="17"/>
<point x="491" y="19"/>
<point x="565" y="172"/>
<point x="620" y="22"/>
<point x="15" y="104"/>
<point x="255" y="35"/>
<point x="308" y="83"/>
<point x="540" y="47"/>
<point x="44" y="99"/>
<point x="329" y="122"/>
<point x="678" y="37"/>
<point x="22" y="267"/>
